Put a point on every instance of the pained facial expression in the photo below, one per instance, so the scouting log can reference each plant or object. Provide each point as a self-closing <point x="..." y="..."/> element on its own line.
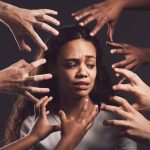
<point x="76" y="68"/>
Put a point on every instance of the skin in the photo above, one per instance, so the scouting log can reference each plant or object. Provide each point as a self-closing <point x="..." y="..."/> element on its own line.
<point x="74" y="129"/>
<point x="107" y="12"/>
<point x="16" y="79"/>
<point x="77" y="65"/>
<point x="133" y="56"/>
<point x="136" y="87"/>
<point x="132" y="123"/>
<point x="21" y="22"/>
<point x="40" y="130"/>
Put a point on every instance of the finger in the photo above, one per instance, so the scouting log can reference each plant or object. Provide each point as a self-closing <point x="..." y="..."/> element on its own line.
<point x="20" y="64"/>
<point x="62" y="116"/>
<point x="37" y="78"/>
<point x="35" y="64"/>
<point x="37" y="105"/>
<point x="48" y="19"/>
<point x="117" y="45"/>
<point x="122" y="80"/>
<point x="118" y="123"/>
<point x="120" y="63"/>
<point x="123" y="87"/>
<point x="122" y="102"/>
<point x="43" y="106"/>
<point x="110" y="31"/>
<point x="82" y="13"/>
<point x="119" y="51"/>
<point x="114" y="109"/>
<point x="98" y="26"/>
<point x="49" y="11"/>
<point x="87" y="20"/>
<point x="47" y="28"/>
<point x="132" y="77"/>
<point x="131" y="66"/>
<point x="22" y="45"/>
<point x="31" y="97"/>
<point x="32" y="89"/>
<point x="37" y="39"/>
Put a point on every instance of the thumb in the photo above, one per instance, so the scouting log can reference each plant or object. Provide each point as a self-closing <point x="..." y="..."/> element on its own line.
<point x="62" y="116"/>
<point x="110" y="31"/>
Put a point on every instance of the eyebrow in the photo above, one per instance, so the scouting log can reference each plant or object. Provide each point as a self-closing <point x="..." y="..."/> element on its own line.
<point x="75" y="59"/>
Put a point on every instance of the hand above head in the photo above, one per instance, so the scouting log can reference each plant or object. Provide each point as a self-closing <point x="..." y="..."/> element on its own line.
<point x="42" y="128"/>
<point x="133" y="56"/>
<point x="133" y="124"/>
<point x="136" y="87"/>
<point x="74" y="129"/>
<point x="104" y="12"/>
<point x="16" y="79"/>
<point x="22" y="22"/>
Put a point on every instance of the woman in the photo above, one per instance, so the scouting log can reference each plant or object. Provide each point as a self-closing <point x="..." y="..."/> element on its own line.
<point x="75" y="60"/>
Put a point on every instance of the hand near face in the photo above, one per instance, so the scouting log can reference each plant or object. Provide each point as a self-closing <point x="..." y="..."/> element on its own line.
<point x="133" y="124"/>
<point x="74" y="129"/>
<point x="133" y="56"/>
<point x="42" y="128"/>
<point x="136" y="87"/>
<point x="16" y="79"/>
<point x="104" y="12"/>
<point x="22" y="22"/>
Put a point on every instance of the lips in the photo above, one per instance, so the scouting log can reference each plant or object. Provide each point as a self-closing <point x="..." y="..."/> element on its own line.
<point x="81" y="85"/>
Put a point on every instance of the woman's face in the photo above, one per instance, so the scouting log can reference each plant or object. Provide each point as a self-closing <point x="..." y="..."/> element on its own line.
<point x="76" y="68"/>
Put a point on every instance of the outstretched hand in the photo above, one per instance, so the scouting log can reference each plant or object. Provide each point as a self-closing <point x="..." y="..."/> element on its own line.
<point x="23" y="21"/>
<point x="133" y="124"/>
<point x="16" y="79"/>
<point x="136" y="87"/>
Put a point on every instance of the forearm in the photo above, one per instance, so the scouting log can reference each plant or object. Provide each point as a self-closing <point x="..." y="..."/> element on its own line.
<point x="5" y="11"/>
<point x="64" y="144"/>
<point x="21" y="144"/>
<point x="136" y="4"/>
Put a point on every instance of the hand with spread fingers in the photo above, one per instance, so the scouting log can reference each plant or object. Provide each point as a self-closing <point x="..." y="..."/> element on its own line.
<point x="104" y="12"/>
<point x="74" y="129"/>
<point x="132" y="123"/>
<point x="133" y="56"/>
<point x="23" y="21"/>
<point x="16" y="79"/>
<point x="136" y="87"/>
<point x="40" y="130"/>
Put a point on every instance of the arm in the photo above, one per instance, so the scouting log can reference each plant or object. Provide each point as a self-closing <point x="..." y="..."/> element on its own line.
<point x="107" y="12"/>
<point x="21" y="22"/>
<point x="133" y="124"/>
<point x="74" y="129"/>
<point x="16" y="79"/>
<point x="41" y="129"/>
<point x="133" y="56"/>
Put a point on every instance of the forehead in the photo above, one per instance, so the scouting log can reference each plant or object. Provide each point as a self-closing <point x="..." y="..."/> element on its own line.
<point x="78" y="48"/>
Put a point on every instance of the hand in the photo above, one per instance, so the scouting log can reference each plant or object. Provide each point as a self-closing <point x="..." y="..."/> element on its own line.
<point x="74" y="129"/>
<point x="42" y="128"/>
<point x="136" y="87"/>
<point x="22" y="22"/>
<point x="16" y="79"/>
<point x="104" y="12"/>
<point x="133" y="124"/>
<point x="134" y="56"/>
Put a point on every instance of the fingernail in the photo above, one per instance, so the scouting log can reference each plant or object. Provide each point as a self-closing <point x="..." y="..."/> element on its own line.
<point x="76" y="18"/>
<point x="91" y="34"/>
<point x="112" y="51"/>
<point x="81" y="24"/>
<point x="113" y="66"/>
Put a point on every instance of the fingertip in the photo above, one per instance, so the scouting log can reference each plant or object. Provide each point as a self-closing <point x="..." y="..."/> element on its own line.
<point x="91" y="34"/>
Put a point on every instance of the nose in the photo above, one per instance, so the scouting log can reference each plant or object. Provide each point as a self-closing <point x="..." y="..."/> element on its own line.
<point x="82" y="73"/>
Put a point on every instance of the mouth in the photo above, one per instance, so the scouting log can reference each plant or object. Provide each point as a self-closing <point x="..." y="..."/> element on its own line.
<point x="81" y="85"/>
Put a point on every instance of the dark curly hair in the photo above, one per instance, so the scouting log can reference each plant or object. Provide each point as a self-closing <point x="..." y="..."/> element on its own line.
<point x="101" y="91"/>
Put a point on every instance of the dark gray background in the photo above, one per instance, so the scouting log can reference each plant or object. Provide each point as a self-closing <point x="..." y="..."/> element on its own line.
<point x="133" y="27"/>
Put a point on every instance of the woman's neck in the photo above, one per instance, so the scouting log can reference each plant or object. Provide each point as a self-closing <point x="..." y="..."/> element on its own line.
<point x="72" y="105"/>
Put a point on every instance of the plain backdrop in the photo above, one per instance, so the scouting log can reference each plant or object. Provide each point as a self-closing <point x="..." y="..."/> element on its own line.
<point x="133" y="27"/>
